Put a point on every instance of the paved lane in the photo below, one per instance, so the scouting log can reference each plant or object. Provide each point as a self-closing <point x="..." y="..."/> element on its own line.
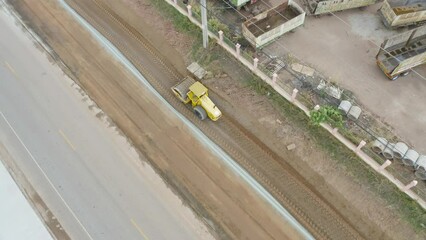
<point x="18" y="221"/>
<point x="86" y="173"/>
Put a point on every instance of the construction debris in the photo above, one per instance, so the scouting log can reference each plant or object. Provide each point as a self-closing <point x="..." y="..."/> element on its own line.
<point x="196" y="70"/>
<point x="269" y="25"/>
<point x="291" y="147"/>
<point x="330" y="89"/>
<point x="303" y="69"/>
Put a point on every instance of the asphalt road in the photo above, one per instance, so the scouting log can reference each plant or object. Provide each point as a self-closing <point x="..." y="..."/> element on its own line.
<point x="18" y="221"/>
<point x="88" y="175"/>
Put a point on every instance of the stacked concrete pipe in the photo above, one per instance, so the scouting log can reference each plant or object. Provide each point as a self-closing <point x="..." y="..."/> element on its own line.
<point x="421" y="167"/>
<point x="345" y="106"/>
<point x="353" y="112"/>
<point x="400" y="150"/>
<point x="379" y="145"/>
<point x="410" y="158"/>
<point x="388" y="151"/>
<point x="382" y="146"/>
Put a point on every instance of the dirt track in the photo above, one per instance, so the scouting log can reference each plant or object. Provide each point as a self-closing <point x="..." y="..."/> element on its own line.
<point x="121" y="97"/>
<point x="214" y="192"/>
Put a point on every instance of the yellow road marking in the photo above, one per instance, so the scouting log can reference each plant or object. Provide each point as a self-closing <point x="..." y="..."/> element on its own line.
<point x="66" y="139"/>
<point x="139" y="229"/>
<point x="11" y="69"/>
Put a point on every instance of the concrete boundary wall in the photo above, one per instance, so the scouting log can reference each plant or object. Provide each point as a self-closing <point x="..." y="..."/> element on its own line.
<point x="271" y="34"/>
<point x="334" y="6"/>
<point x="291" y="97"/>
<point x="397" y="16"/>
<point x="405" y="37"/>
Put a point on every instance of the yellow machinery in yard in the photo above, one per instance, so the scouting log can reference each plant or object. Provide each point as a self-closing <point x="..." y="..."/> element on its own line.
<point x="193" y="91"/>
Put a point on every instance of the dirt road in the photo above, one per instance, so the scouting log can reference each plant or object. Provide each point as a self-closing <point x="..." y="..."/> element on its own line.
<point x="215" y="193"/>
<point x="204" y="184"/>
<point x="360" y="203"/>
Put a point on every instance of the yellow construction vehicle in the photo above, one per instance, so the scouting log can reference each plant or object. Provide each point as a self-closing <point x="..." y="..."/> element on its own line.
<point x="193" y="91"/>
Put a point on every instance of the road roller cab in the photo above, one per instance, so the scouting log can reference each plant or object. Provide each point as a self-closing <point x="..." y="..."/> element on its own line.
<point x="195" y="92"/>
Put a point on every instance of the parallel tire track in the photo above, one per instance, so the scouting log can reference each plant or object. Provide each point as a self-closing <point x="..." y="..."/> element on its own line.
<point x="105" y="88"/>
<point x="256" y="159"/>
<point x="334" y="227"/>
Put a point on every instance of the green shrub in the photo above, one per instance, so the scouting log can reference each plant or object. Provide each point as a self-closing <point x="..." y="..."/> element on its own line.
<point x="328" y="114"/>
<point x="215" y="25"/>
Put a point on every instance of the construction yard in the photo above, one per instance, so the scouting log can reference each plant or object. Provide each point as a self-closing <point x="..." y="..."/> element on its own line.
<point x="321" y="183"/>
<point x="343" y="47"/>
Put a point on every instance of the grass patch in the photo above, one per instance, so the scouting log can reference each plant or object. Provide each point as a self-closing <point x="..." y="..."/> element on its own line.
<point x="180" y="22"/>
<point x="410" y="210"/>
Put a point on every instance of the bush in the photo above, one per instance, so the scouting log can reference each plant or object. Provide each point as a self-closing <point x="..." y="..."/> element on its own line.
<point x="215" y="25"/>
<point x="328" y="114"/>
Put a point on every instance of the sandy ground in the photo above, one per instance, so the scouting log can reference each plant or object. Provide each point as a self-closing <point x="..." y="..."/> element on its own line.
<point x="357" y="202"/>
<point x="379" y="224"/>
<point x="345" y="51"/>
<point x="35" y="96"/>
<point x="223" y="201"/>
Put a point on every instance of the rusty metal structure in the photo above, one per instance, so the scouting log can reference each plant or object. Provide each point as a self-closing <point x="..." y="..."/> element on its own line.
<point x="402" y="52"/>
<point x="395" y="15"/>
<point x="267" y="26"/>
<point x="240" y="3"/>
<point x="317" y="7"/>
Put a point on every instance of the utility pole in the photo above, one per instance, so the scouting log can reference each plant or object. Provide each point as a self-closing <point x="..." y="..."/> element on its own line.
<point x="204" y="23"/>
<point x="203" y="6"/>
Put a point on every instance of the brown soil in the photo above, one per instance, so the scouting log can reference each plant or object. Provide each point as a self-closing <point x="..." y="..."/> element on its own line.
<point x="364" y="207"/>
<point x="220" y="198"/>
<point x="231" y="209"/>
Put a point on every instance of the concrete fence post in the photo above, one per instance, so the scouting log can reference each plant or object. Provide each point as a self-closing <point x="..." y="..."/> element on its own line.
<point x="410" y="185"/>
<point x="360" y="145"/>
<point x="384" y="165"/>
<point x="274" y="78"/>
<point x="335" y="130"/>
<point x="189" y="10"/>
<point x="293" y="96"/>
<point x="237" y="49"/>
<point x="255" y="62"/>
<point x="220" y="36"/>
<point x="317" y="107"/>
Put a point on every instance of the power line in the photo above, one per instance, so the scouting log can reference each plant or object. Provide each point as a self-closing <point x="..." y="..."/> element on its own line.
<point x="347" y="24"/>
<point x="246" y="18"/>
<point x="380" y="47"/>
<point x="358" y="123"/>
<point x="284" y="47"/>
